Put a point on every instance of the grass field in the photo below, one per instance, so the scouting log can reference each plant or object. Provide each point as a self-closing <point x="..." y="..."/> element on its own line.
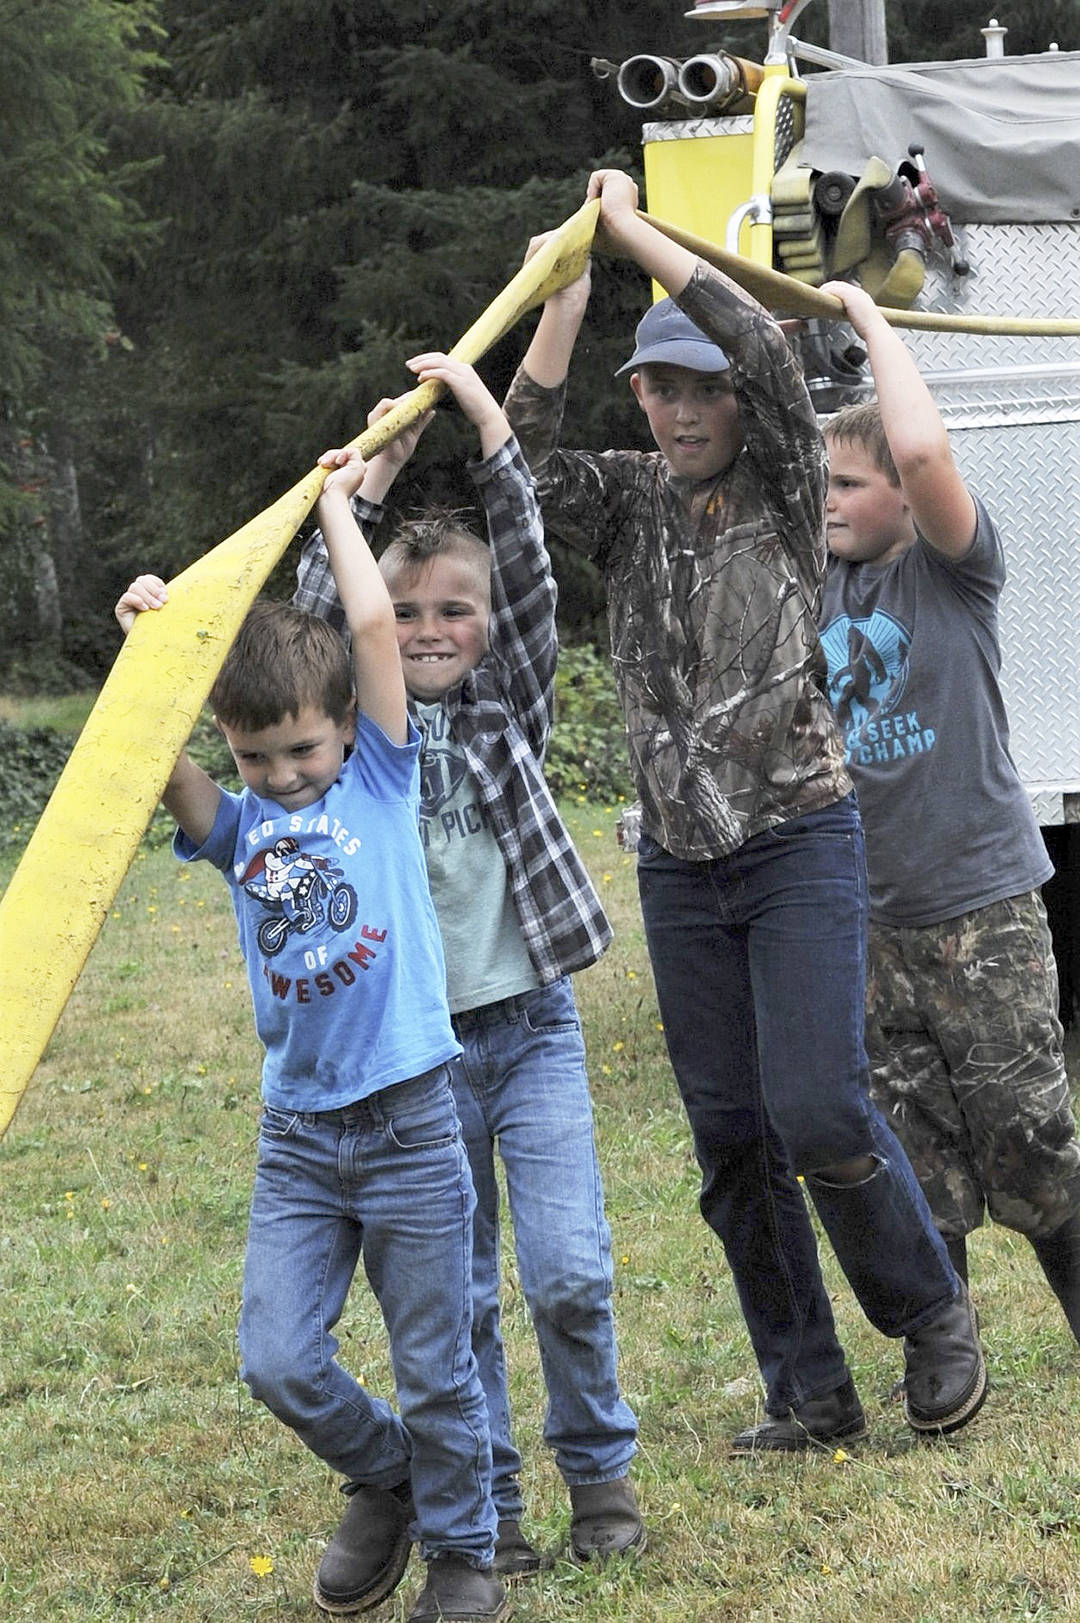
<point x="138" y="1480"/>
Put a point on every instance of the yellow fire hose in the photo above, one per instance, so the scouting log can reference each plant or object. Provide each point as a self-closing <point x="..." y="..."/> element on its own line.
<point x="62" y="889"/>
<point x="788" y="297"/>
<point x="90" y="830"/>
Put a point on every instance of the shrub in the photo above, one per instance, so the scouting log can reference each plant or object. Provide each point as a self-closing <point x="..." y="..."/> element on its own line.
<point x="33" y="759"/>
<point x="587" y="753"/>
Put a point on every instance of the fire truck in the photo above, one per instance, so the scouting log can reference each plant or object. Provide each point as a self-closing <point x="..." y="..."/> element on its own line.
<point x="948" y="187"/>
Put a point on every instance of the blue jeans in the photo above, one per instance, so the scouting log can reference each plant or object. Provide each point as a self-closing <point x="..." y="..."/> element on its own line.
<point x="759" y="961"/>
<point x="386" y="1180"/>
<point x="522" y="1081"/>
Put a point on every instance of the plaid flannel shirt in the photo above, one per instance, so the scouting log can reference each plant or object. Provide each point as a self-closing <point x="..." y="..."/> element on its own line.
<point x="501" y="715"/>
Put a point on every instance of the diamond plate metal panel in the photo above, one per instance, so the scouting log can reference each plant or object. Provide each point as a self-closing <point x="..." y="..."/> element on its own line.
<point x="1016" y="270"/>
<point x="1029" y="477"/>
<point x="1012" y="408"/>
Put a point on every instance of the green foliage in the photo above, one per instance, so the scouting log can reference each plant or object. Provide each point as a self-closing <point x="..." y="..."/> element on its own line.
<point x="66" y="66"/>
<point x="33" y="758"/>
<point x="587" y="753"/>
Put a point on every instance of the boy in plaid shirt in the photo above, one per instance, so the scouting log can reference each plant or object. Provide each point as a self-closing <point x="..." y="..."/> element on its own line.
<point x="518" y="914"/>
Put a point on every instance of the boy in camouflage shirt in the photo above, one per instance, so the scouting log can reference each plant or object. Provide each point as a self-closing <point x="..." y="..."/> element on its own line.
<point x="962" y="1023"/>
<point x="751" y="864"/>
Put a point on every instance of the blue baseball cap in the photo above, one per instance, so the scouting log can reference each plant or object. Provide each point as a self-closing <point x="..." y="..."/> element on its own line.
<point x="664" y="333"/>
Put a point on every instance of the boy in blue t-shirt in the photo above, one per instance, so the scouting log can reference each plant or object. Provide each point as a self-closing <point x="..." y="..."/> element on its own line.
<point x="962" y="1023"/>
<point x="360" y="1150"/>
<point x="518" y="914"/>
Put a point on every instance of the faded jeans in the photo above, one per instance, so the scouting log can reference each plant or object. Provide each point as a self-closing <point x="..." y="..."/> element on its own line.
<point x="521" y="1082"/>
<point x="386" y="1181"/>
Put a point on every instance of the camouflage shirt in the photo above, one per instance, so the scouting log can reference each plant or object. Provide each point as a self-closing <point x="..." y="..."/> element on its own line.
<point x="713" y="593"/>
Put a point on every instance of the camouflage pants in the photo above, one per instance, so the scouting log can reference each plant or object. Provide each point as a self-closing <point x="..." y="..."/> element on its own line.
<point x="966" y="1064"/>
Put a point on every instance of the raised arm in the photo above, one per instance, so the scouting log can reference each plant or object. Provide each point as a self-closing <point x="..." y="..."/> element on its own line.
<point x="190" y="796"/>
<point x="941" y="504"/>
<point x="666" y="262"/>
<point x="471" y="394"/>
<point x="369" y="613"/>
<point x="316" y="592"/>
<point x="547" y="359"/>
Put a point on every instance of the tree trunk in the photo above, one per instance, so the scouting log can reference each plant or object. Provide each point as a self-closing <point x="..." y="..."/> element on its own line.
<point x="66" y="535"/>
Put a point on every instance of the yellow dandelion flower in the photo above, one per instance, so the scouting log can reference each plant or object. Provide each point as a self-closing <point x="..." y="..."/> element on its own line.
<point x="840" y="1456"/>
<point x="617" y="1048"/>
<point x="261" y="1565"/>
<point x="106" y="1203"/>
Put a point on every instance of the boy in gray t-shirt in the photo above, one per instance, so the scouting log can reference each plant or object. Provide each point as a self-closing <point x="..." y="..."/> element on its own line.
<point x="962" y="1025"/>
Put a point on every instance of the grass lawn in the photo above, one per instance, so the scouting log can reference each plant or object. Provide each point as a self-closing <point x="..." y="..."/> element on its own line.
<point x="138" y="1480"/>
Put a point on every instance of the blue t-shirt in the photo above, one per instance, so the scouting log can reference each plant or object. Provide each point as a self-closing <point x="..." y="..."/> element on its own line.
<point x="338" y="928"/>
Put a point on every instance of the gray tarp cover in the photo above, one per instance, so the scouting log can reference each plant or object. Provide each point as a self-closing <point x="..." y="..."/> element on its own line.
<point x="1002" y="135"/>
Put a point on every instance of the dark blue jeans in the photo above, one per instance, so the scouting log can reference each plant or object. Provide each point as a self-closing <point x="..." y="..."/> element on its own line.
<point x="759" y="961"/>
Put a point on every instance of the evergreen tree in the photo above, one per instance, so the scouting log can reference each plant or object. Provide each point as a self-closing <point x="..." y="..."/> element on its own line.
<point x="65" y="66"/>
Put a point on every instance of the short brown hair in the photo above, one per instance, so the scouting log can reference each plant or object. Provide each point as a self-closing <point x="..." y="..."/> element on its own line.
<point x="440" y="533"/>
<point x="861" y="425"/>
<point x="282" y="660"/>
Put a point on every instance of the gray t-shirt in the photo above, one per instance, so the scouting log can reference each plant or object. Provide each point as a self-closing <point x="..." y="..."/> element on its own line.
<point x="914" y="659"/>
<point x="485" y="952"/>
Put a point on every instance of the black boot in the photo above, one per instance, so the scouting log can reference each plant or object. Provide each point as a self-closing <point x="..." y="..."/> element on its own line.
<point x="945" y="1373"/>
<point x="823" y="1422"/>
<point x="1059" y="1259"/>
<point x="605" y="1520"/>
<point x="367" y="1556"/>
<point x="460" y="1593"/>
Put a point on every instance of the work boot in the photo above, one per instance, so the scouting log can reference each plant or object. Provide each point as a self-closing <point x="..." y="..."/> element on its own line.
<point x="367" y="1556"/>
<point x="944" y="1370"/>
<point x="1059" y="1259"/>
<point x="606" y="1520"/>
<point x="836" y="1417"/>
<point x="515" y="1557"/>
<point x="455" y="1590"/>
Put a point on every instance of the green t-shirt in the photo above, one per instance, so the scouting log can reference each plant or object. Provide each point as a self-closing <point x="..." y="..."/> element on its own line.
<point x="486" y="956"/>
